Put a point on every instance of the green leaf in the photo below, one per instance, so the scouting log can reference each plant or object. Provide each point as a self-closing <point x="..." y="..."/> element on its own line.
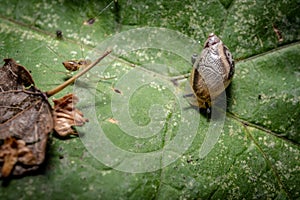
<point x="257" y="153"/>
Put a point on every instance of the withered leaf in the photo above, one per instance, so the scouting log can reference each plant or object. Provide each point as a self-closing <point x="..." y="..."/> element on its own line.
<point x="65" y="115"/>
<point x="14" y="76"/>
<point x="26" y="117"/>
<point x="74" y="65"/>
<point x="13" y="151"/>
<point x="24" y="114"/>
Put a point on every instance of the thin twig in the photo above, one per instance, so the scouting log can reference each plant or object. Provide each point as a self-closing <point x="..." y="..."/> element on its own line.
<point x="71" y="80"/>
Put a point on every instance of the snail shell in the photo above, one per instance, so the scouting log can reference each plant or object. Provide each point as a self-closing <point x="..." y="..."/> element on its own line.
<point x="212" y="71"/>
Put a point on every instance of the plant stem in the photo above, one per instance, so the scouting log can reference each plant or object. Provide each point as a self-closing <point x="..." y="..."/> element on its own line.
<point x="71" y="80"/>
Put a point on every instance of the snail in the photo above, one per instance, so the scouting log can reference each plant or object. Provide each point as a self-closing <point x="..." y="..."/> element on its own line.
<point x="212" y="71"/>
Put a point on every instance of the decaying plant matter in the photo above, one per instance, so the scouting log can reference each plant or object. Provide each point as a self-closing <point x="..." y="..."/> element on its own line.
<point x="26" y="118"/>
<point x="13" y="151"/>
<point x="65" y="115"/>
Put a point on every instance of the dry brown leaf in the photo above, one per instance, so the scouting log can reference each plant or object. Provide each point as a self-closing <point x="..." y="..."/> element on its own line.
<point x="25" y="114"/>
<point x="13" y="151"/>
<point x="65" y="115"/>
<point x="74" y="65"/>
<point x="14" y="76"/>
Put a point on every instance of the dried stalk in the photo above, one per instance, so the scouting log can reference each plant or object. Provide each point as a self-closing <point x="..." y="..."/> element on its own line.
<point x="71" y="80"/>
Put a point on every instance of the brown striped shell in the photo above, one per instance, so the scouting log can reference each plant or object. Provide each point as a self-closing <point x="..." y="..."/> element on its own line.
<point x="212" y="71"/>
